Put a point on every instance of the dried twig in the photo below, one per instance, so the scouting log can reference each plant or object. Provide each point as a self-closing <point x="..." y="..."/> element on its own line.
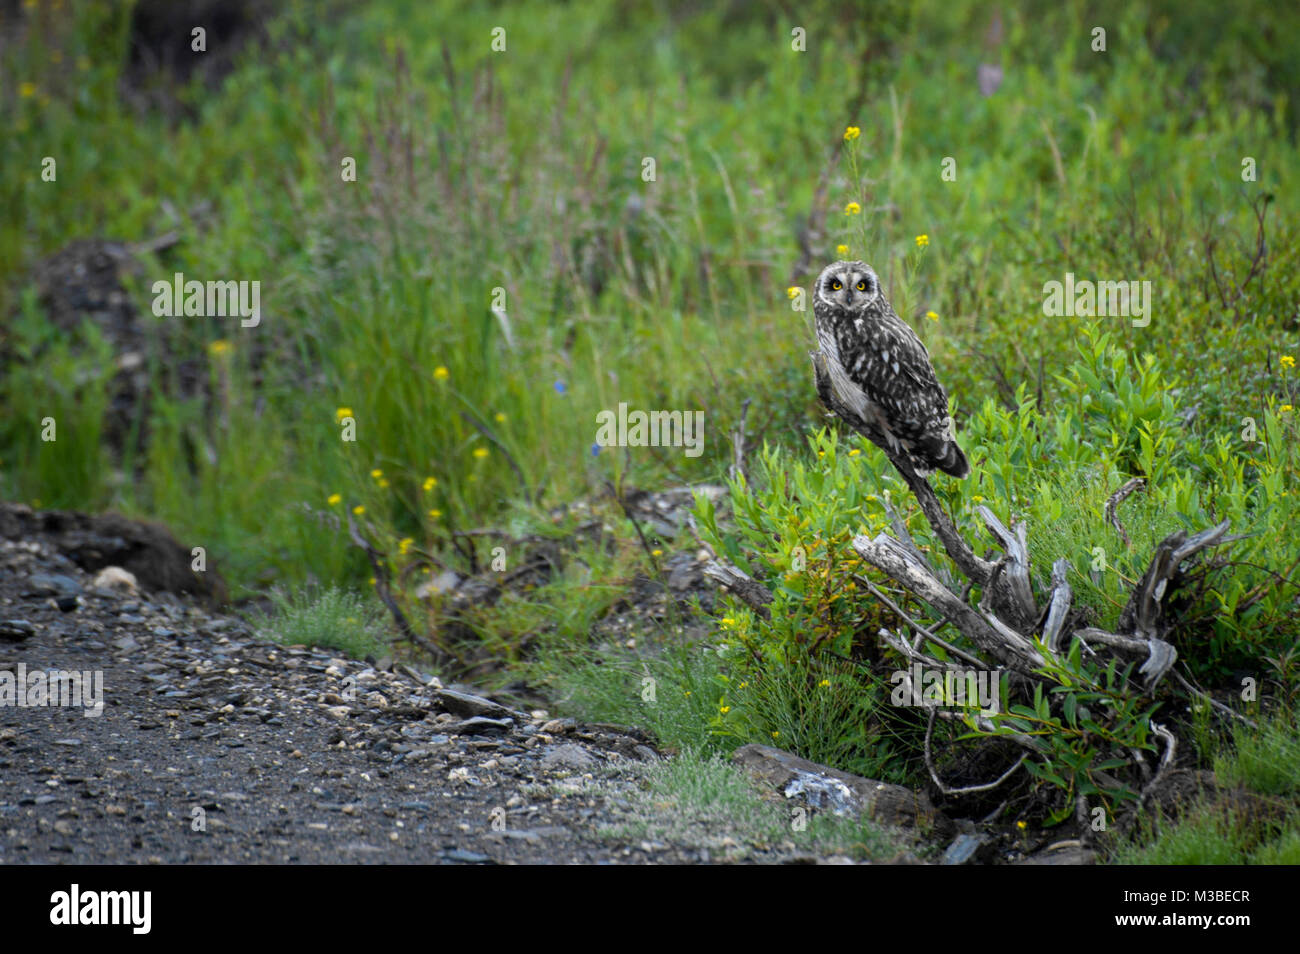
<point x="1117" y="498"/>
<point x="737" y="468"/>
<point x="968" y="789"/>
<point x="385" y="594"/>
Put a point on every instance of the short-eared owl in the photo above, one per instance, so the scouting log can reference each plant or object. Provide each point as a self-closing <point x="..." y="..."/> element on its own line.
<point x="874" y="372"/>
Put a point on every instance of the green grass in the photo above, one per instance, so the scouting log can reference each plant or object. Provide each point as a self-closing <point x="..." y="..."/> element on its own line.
<point x="331" y="619"/>
<point x="664" y="294"/>
<point x="697" y="799"/>
<point x="1266" y="760"/>
<point x="1263" y="763"/>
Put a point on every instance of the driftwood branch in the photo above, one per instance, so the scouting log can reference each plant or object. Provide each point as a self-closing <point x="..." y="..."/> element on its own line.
<point x="895" y="561"/>
<point x="752" y="593"/>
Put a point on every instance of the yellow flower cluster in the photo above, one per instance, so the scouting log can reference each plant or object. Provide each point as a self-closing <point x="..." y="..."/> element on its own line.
<point x="922" y="241"/>
<point x="852" y="133"/>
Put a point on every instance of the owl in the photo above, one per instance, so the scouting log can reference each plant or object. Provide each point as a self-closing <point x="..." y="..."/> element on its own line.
<point x="875" y="374"/>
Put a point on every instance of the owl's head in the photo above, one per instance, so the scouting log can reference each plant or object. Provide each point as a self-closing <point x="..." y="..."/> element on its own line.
<point x="848" y="285"/>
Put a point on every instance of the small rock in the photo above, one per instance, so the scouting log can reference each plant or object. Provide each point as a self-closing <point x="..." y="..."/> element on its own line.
<point x="963" y="849"/>
<point x="465" y="857"/>
<point x="569" y="756"/>
<point x="480" y="725"/>
<point x="464" y="704"/>
<point x="51" y="584"/>
<point x="116" y="580"/>
<point x="16" y="630"/>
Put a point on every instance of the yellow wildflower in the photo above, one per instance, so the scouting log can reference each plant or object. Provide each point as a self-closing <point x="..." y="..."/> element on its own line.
<point x="26" y="90"/>
<point x="825" y="684"/>
<point x="841" y="250"/>
<point x="724" y="709"/>
<point x="852" y="133"/>
<point x="932" y="316"/>
<point x="922" y="241"/>
<point x="1286" y="408"/>
<point x="218" y="348"/>
<point x="852" y="209"/>
<point x="342" y="413"/>
<point x="1287" y="361"/>
<point x="358" y="510"/>
<point x="792" y="291"/>
<point x="480" y="452"/>
<point x="404" y="545"/>
<point x="430" y="483"/>
<point x="376" y="473"/>
<point x="775" y="733"/>
<point x="334" y="499"/>
<point x="657" y="553"/>
<point x="440" y="373"/>
<point x="855" y="452"/>
<point x="435" y="513"/>
<point x="500" y="418"/>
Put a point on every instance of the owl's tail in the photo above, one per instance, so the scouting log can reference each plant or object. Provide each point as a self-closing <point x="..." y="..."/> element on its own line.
<point x="954" y="461"/>
<point x="944" y="454"/>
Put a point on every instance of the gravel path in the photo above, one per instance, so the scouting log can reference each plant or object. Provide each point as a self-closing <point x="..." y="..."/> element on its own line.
<point x="215" y="746"/>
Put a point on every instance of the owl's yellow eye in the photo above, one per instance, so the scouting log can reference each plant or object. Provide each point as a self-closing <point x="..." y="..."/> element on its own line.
<point x="835" y="285"/>
<point x="862" y="286"/>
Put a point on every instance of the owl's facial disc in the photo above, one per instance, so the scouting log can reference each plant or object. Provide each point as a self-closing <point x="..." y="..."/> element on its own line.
<point x="848" y="285"/>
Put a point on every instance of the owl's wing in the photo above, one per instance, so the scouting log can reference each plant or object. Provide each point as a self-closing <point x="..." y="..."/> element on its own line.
<point x="897" y="374"/>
